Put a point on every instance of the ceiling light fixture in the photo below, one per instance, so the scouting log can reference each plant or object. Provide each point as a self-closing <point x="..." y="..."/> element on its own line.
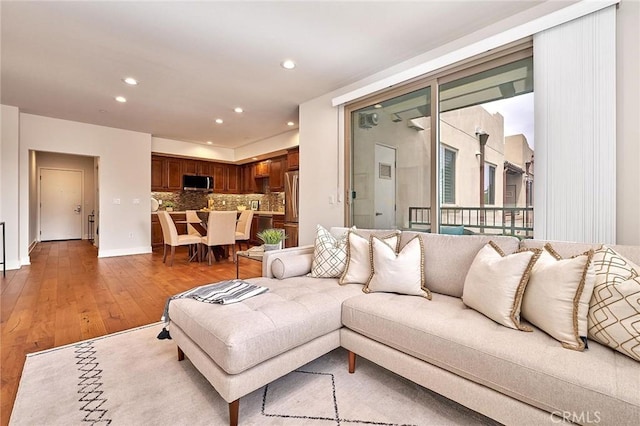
<point x="238" y="110"/>
<point x="288" y="64"/>
<point x="219" y="120"/>
<point x="377" y="106"/>
<point x="291" y="123"/>
<point x="130" y="81"/>
<point x="209" y="143"/>
<point x="121" y="99"/>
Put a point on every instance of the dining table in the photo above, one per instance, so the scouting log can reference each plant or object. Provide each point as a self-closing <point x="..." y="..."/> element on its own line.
<point x="201" y="226"/>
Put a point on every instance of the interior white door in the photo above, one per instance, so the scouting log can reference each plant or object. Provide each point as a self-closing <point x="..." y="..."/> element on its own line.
<point x="385" y="187"/>
<point x="60" y="204"/>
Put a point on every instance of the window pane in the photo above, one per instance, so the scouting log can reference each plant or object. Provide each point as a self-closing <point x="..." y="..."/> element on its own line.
<point x="447" y="175"/>
<point x="486" y="119"/>
<point x="391" y="162"/>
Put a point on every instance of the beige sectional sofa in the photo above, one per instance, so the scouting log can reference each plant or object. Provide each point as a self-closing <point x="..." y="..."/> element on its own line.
<point x="511" y="376"/>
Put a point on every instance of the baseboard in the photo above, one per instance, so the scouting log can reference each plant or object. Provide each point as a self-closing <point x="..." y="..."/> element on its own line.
<point x="32" y="246"/>
<point x="124" y="252"/>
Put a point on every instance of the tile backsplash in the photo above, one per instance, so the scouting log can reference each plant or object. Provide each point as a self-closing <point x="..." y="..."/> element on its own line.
<point x="193" y="200"/>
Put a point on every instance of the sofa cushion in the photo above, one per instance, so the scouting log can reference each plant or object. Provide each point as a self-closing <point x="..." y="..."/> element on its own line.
<point x="447" y="258"/>
<point x="614" y="314"/>
<point x="557" y="296"/>
<point x="358" y="266"/>
<point x="293" y="266"/>
<point x="495" y="283"/>
<point x="239" y="336"/>
<point x="530" y="367"/>
<point x="397" y="272"/>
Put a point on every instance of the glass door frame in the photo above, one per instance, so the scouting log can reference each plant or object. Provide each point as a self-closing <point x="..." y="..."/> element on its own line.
<point x="510" y="53"/>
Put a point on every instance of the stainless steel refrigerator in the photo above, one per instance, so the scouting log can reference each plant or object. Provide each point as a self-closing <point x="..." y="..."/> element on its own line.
<point x="291" y="212"/>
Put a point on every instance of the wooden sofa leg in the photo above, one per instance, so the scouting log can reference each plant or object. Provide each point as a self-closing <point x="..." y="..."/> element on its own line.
<point x="180" y="354"/>
<point x="234" y="410"/>
<point x="352" y="362"/>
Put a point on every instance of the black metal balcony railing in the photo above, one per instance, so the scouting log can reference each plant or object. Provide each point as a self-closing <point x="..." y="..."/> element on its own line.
<point x="508" y="220"/>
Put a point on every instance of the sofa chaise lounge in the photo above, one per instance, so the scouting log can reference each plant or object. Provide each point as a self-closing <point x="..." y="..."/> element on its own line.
<point x="511" y="376"/>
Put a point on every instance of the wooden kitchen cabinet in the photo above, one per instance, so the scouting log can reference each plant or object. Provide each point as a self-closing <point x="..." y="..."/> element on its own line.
<point x="174" y="174"/>
<point x="291" y="229"/>
<point x="293" y="159"/>
<point x="157" y="173"/>
<point x="254" y="240"/>
<point x="226" y="178"/>
<point x="276" y="174"/>
<point x="262" y="169"/>
<point x="249" y="184"/>
<point x="166" y="173"/>
<point x="218" y="178"/>
<point x="156" y="231"/>
<point x="233" y="178"/>
<point x="190" y="167"/>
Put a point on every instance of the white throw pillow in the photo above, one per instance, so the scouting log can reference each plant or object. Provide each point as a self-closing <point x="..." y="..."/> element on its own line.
<point x="614" y="312"/>
<point x="495" y="284"/>
<point x="557" y="296"/>
<point x="329" y="254"/>
<point x="358" y="266"/>
<point x="397" y="273"/>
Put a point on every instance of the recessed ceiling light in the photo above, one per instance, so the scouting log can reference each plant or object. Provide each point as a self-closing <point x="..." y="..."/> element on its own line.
<point x="254" y="158"/>
<point x="121" y="99"/>
<point x="209" y="142"/>
<point x="238" y="109"/>
<point x="377" y="106"/>
<point x="291" y="123"/>
<point x="130" y="81"/>
<point x="288" y="64"/>
<point x="102" y="111"/>
<point x="219" y="120"/>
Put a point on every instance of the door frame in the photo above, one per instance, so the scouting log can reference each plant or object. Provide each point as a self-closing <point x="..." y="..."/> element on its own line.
<point x="394" y="178"/>
<point x="39" y="206"/>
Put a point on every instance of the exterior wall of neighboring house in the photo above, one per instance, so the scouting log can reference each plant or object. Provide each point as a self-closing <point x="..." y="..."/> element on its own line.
<point x="458" y="131"/>
<point x="519" y="153"/>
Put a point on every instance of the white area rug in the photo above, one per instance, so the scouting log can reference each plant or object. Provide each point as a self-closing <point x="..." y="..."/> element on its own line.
<point x="131" y="378"/>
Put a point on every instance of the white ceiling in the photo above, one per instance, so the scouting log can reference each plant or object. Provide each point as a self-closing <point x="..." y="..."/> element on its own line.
<point x="196" y="61"/>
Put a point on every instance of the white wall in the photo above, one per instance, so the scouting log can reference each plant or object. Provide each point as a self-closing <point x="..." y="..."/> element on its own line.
<point x="9" y="213"/>
<point x="70" y="162"/>
<point x="124" y="174"/>
<point x="276" y="143"/>
<point x="628" y="130"/>
<point x="188" y="149"/>
<point x="321" y="168"/>
<point x="321" y="137"/>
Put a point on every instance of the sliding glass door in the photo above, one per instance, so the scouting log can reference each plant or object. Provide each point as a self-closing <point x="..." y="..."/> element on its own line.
<point x="452" y="153"/>
<point x="391" y="160"/>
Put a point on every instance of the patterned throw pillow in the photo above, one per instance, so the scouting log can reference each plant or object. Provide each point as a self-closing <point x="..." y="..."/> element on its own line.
<point x="495" y="284"/>
<point x="614" y="311"/>
<point x="329" y="254"/>
<point x="401" y="273"/>
<point x="556" y="299"/>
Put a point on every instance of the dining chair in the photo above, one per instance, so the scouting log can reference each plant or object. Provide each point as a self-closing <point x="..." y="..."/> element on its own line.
<point x="221" y="230"/>
<point x="172" y="238"/>
<point x="192" y="216"/>
<point x="243" y="227"/>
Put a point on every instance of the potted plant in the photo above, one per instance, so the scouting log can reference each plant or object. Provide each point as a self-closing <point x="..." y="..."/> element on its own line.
<point x="272" y="238"/>
<point x="168" y="206"/>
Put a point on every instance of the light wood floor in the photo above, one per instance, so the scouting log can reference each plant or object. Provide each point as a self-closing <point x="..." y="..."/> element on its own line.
<point x="67" y="294"/>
